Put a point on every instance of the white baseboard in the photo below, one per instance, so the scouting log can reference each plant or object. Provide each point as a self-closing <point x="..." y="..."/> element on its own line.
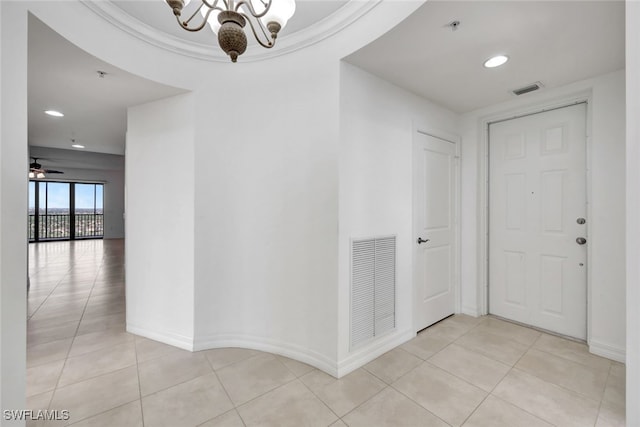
<point x="470" y="311"/>
<point x="355" y="360"/>
<point x="292" y="351"/>
<point x="176" y="340"/>
<point x="606" y="350"/>
<point x="366" y="354"/>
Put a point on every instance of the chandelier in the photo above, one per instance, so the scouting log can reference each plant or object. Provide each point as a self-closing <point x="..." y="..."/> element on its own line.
<point x="227" y="18"/>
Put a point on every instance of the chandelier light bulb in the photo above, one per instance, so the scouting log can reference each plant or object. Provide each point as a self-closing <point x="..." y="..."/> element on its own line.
<point x="32" y="175"/>
<point x="280" y="11"/>
<point x="40" y="175"/>
<point x="177" y="5"/>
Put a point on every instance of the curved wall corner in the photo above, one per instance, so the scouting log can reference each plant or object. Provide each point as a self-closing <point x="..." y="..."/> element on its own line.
<point x="269" y="345"/>
<point x="159" y="245"/>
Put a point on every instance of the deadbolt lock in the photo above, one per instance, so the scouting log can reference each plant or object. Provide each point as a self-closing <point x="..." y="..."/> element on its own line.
<point x="581" y="221"/>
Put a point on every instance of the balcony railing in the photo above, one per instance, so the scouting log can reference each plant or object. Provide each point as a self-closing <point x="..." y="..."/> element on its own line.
<point x="58" y="226"/>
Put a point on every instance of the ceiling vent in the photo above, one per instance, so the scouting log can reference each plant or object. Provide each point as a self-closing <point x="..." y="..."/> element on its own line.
<point x="528" y="88"/>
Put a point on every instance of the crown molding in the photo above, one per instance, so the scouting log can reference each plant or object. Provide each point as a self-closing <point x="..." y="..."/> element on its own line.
<point x="330" y="25"/>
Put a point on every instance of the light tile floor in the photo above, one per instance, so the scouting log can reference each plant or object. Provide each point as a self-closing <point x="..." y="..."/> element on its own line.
<point x="462" y="371"/>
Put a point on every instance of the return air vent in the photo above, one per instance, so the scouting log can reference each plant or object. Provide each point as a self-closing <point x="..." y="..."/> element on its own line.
<point x="373" y="288"/>
<point x="529" y="88"/>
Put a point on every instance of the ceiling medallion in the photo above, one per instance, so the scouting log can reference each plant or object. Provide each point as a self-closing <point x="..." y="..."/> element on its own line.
<point x="227" y="19"/>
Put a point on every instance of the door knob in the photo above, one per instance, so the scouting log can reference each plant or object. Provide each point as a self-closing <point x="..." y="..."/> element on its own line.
<point x="420" y="240"/>
<point x="581" y="240"/>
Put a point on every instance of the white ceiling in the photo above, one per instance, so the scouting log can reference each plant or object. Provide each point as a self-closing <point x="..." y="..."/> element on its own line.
<point x="555" y="42"/>
<point x="157" y="14"/>
<point x="63" y="77"/>
<point x="61" y="159"/>
<point x="550" y="41"/>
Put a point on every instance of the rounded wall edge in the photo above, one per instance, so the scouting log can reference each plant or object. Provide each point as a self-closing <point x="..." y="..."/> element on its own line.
<point x="265" y="344"/>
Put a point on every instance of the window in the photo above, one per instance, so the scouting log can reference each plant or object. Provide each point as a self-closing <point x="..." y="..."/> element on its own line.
<point x="88" y="210"/>
<point x="65" y="210"/>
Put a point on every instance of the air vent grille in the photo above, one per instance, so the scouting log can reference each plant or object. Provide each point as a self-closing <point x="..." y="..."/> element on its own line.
<point x="373" y="288"/>
<point x="526" y="89"/>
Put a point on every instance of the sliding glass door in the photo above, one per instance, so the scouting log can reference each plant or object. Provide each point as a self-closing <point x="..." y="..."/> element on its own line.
<point x="65" y="210"/>
<point x="89" y="218"/>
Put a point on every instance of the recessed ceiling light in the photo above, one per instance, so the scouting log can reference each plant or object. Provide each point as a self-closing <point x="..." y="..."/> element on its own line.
<point x="496" y="61"/>
<point x="77" y="146"/>
<point x="54" y="113"/>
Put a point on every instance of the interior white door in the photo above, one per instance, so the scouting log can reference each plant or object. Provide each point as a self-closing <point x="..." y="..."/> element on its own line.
<point x="537" y="211"/>
<point x="434" y="229"/>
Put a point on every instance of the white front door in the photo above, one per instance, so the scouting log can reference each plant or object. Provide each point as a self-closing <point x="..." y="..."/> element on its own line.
<point x="537" y="211"/>
<point x="434" y="229"/>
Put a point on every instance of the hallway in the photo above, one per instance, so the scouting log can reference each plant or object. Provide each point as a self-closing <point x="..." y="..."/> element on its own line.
<point x="462" y="371"/>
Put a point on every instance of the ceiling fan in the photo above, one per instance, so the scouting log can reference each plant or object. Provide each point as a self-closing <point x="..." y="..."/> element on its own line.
<point x="37" y="171"/>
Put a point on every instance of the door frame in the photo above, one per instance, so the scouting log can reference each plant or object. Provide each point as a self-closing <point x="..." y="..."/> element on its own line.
<point x="482" y="250"/>
<point x="456" y="140"/>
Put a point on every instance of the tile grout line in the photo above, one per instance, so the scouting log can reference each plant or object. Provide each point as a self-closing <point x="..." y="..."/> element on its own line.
<point x="135" y="349"/>
<point x="383" y="389"/>
<point x="454" y="341"/>
<point x="55" y="388"/>
<point x="100" y="413"/>
<point x="319" y="398"/>
<point x="574" y="392"/>
<point x="268" y="391"/>
<point x="517" y="369"/>
<point x="411" y="399"/>
<point x="603" y="391"/>
<point x="178" y="383"/>
<point x="225" y="392"/>
<point x="490" y="393"/>
<point x="542" y="350"/>
<point x="76" y="334"/>
<point x="258" y="397"/>
<point x="69" y="350"/>
<point x="48" y="295"/>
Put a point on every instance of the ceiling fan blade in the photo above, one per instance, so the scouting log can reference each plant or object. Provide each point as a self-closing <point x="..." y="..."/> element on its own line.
<point x="52" y="171"/>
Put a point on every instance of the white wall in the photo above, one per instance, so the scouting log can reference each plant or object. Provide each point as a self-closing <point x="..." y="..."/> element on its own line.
<point x="607" y="231"/>
<point x="266" y="210"/>
<point x="633" y="211"/>
<point x="606" y="272"/>
<point x="13" y="207"/>
<point x="159" y="247"/>
<point x="375" y="197"/>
